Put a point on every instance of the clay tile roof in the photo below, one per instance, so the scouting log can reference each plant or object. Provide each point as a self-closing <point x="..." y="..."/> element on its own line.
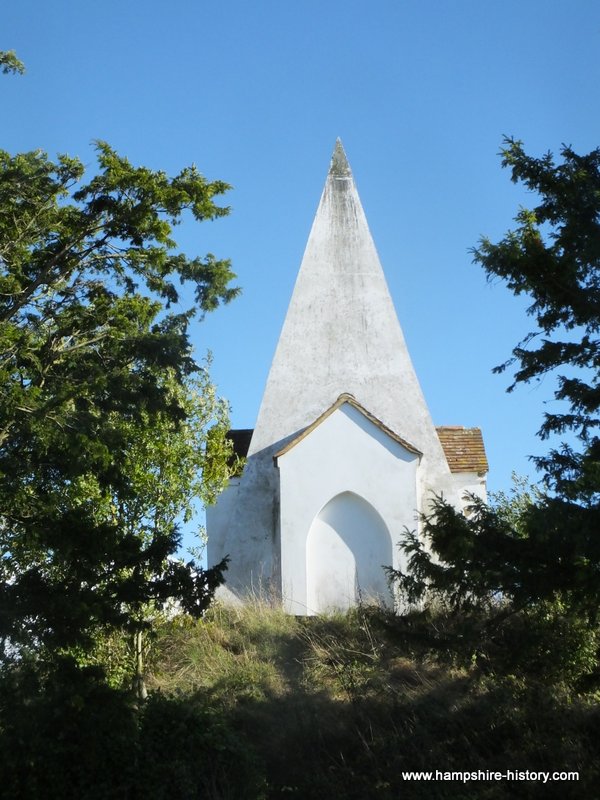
<point x="463" y="448"/>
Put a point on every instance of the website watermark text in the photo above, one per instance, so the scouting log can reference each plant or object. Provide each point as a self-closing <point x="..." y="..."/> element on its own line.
<point x="466" y="776"/>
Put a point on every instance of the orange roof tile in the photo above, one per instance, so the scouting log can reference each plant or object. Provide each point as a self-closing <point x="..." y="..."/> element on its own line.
<point x="463" y="448"/>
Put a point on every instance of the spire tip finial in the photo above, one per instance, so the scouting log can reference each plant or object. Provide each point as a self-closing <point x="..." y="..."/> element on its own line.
<point x="339" y="163"/>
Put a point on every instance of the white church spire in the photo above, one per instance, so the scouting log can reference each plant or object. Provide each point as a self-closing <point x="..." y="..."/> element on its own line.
<point x="343" y="426"/>
<point x="341" y="333"/>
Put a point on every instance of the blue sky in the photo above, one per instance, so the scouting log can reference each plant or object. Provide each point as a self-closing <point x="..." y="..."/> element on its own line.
<point x="420" y="92"/>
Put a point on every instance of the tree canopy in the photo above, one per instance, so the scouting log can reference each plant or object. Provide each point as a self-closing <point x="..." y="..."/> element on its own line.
<point x="552" y="547"/>
<point x="553" y="257"/>
<point x="10" y="63"/>
<point x="105" y="416"/>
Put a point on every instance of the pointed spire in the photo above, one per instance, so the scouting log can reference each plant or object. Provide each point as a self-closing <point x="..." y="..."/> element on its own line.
<point x="341" y="333"/>
<point x="339" y="163"/>
<point x="341" y="336"/>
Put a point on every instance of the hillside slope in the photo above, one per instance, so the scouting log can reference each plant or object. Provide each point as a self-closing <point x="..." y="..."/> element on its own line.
<point x="342" y="706"/>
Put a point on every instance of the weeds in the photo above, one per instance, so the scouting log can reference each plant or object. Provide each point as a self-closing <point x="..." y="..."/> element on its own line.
<point x="341" y="705"/>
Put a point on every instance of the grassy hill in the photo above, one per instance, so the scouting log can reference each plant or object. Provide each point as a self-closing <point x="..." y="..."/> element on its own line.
<point x="341" y="706"/>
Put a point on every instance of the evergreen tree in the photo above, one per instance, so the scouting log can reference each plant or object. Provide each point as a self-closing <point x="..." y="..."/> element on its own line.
<point x="552" y="257"/>
<point x="10" y="63"/>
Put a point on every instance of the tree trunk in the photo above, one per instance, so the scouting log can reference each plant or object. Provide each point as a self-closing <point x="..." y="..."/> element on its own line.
<point x="139" y="685"/>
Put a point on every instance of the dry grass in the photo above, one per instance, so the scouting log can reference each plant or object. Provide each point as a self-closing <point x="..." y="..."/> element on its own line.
<point x="339" y="706"/>
<point x="233" y="653"/>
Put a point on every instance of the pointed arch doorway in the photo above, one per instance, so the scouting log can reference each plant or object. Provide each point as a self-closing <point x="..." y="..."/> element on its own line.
<point x="347" y="546"/>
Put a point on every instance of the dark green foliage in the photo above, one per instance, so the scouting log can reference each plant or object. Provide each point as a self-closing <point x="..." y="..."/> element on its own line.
<point x="553" y="257"/>
<point x="543" y="553"/>
<point x="67" y="736"/>
<point x="103" y="410"/>
<point x="484" y="558"/>
<point x="544" y="643"/>
<point x="109" y="432"/>
<point x="186" y="752"/>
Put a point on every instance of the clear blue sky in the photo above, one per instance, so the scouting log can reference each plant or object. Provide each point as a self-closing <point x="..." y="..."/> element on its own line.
<point x="420" y="92"/>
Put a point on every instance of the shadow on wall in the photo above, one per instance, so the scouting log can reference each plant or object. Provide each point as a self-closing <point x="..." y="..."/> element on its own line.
<point x="348" y="543"/>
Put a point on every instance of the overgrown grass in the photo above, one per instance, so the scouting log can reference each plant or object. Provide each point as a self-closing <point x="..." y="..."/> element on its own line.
<point x="230" y="655"/>
<point x="340" y="706"/>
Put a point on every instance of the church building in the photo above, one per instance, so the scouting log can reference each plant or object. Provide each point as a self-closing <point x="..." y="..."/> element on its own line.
<point x="344" y="456"/>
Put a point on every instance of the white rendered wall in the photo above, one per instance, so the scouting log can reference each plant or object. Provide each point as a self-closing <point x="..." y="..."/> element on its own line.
<point x="346" y="546"/>
<point x="346" y="454"/>
<point x="466" y="483"/>
<point x="250" y="569"/>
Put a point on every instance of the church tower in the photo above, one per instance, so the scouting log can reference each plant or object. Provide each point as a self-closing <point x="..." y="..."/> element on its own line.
<point x="344" y="454"/>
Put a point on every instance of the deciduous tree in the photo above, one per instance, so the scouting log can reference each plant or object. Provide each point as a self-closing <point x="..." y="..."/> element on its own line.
<point x="105" y="416"/>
